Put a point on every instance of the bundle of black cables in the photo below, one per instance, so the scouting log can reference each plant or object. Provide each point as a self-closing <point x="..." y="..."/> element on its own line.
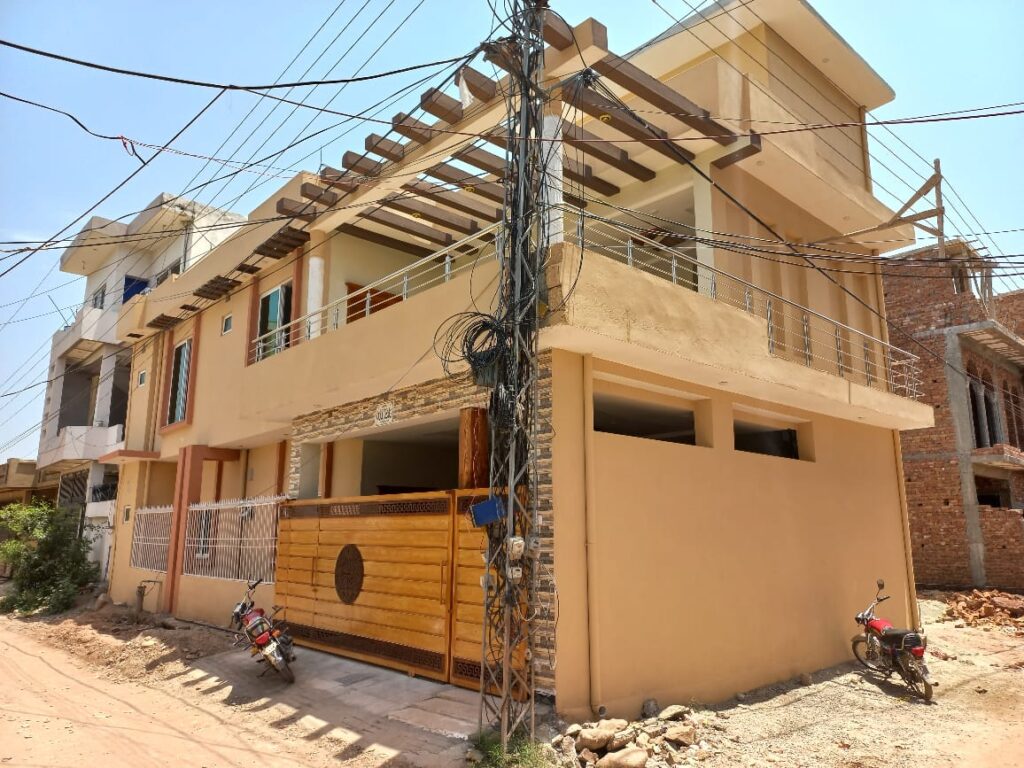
<point x="478" y="339"/>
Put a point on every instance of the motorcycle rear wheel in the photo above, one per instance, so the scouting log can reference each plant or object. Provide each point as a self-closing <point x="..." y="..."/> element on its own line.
<point x="285" y="671"/>
<point x="861" y="651"/>
<point x="919" y="685"/>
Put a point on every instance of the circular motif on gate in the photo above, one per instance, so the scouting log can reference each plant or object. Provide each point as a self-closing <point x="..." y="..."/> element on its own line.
<point x="348" y="574"/>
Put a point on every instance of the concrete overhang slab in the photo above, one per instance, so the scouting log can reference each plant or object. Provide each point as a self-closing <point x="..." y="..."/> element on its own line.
<point x="997" y="338"/>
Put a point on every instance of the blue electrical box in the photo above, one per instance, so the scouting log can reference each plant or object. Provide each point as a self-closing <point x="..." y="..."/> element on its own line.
<point x="487" y="511"/>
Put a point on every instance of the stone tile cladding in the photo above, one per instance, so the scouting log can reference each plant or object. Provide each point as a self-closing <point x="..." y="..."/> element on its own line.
<point x="441" y="395"/>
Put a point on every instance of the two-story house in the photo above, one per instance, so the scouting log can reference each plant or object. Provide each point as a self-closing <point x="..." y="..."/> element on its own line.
<point x="719" y="415"/>
<point x="90" y="368"/>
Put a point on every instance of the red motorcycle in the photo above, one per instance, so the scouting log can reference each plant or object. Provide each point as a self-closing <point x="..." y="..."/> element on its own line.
<point x="884" y="649"/>
<point x="266" y="638"/>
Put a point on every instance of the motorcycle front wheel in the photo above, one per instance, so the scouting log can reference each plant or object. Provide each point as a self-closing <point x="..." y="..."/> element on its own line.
<point x="866" y="655"/>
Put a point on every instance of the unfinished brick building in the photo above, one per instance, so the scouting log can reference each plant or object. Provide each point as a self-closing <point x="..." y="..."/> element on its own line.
<point x="964" y="476"/>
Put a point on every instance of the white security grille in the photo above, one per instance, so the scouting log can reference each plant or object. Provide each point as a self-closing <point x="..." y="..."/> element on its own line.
<point x="233" y="539"/>
<point x="150" y="536"/>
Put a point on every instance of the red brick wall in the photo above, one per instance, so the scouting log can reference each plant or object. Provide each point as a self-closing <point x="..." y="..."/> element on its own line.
<point x="1010" y="311"/>
<point x="938" y="529"/>
<point x="1003" y="533"/>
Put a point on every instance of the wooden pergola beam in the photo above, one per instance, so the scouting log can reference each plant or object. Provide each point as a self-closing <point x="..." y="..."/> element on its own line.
<point x="584" y="174"/>
<point x="449" y="174"/>
<point x="361" y="164"/>
<point x="578" y="172"/>
<point x="751" y="147"/>
<point x="388" y="242"/>
<point x="319" y="194"/>
<point x="408" y="226"/>
<point x="482" y="159"/>
<point x="458" y="201"/>
<point x="298" y="210"/>
<point x="432" y="213"/>
<point x="606" y="152"/>
<point x="334" y="178"/>
<point x="442" y="106"/>
<point x="411" y="128"/>
<point x="649" y="88"/>
<point x="556" y="32"/>
<point x="386" y="148"/>
<point x="596" y="105"/>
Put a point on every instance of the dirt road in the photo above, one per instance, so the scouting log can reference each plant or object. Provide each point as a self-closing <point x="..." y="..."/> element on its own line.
<point x="139" y="695"/>
<point x="55" y="711"/>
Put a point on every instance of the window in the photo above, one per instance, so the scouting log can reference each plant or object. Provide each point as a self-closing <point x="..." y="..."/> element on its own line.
<point x="142" y="379"/>
<point x="275" y="312"/>
<point x="767" y="440"/>
<point x="178" y="401"/>
<point x="98" y="297"/>
<point x="619" y="415"/>
<point x="226" y="324"/>
<point x="127" y="514"/>
<point x="132" y="287"/>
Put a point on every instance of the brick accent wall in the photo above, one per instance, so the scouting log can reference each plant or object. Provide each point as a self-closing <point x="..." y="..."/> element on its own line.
<point x="432" y="397"/>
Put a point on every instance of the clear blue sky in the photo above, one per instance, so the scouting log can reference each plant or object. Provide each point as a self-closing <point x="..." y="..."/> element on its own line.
<point x="938" y="56"/>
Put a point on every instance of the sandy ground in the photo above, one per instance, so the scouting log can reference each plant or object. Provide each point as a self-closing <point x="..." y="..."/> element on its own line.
<point x="850" y="718"/>
<point x="99" y="688"/>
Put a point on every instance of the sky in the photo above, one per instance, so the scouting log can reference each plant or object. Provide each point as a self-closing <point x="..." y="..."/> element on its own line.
<point x="936" y="54"/>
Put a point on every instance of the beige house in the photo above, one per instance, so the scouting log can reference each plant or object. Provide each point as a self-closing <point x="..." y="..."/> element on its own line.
<point x="719" y="474"/>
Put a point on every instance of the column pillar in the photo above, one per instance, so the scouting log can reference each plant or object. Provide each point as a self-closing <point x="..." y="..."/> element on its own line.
<point x="105" y="388"/>
<point x="316" y="281"/>
<point x="703" y="220"/>
<point x="552" y="185"/>
<point x="474" y="448"/>
<point x="960" y="411"/>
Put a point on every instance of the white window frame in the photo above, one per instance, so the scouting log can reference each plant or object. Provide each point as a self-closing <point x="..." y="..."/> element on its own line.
<point x="277" y="342"/>
<point x="183" y="383"/>
<point x="227" y="324"/>
<point x="141" y="379"/>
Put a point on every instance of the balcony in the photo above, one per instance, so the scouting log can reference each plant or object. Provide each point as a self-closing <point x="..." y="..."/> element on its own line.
<point x="76" y="444"/>
<point x="92" y="328"/>
<point x="999" y="456"/>
<point x="634" y="300"/>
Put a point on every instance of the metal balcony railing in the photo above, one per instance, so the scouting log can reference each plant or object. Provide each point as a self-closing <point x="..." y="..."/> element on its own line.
<point x="104" y="492"/>
<point x="433" y="270"/>
<point x="793" y="332"/>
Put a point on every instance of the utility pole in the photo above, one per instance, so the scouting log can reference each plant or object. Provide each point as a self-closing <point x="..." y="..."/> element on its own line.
<point x="507" y="685"/>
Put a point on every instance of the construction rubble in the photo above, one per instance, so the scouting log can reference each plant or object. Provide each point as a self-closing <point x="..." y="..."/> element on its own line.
<point x="676" y="735"/>
<point x="986" y="608"/>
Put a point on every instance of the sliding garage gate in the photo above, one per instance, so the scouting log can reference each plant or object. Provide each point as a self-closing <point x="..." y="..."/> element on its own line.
<point x="393" y="580"/>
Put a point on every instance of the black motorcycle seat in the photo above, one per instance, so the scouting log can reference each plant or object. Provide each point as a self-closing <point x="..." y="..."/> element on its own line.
<point x="895" y="634"/>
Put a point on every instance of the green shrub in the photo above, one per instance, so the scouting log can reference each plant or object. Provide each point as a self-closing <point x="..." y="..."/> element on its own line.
<point x="48" y="555"/>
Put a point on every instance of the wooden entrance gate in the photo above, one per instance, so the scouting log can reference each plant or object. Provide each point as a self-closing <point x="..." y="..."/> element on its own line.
<point x="393" y="580"/>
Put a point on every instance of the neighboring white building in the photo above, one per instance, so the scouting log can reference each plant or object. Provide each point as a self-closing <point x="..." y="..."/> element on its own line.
<point x="87" y="397"/>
